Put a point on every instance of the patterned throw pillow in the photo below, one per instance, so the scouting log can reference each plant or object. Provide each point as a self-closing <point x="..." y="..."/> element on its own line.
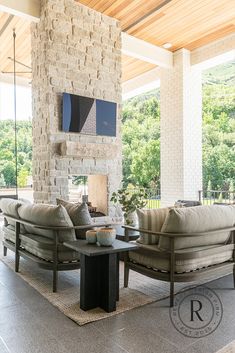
<point x="151" y="220"/>
<point x="79" y="214"/>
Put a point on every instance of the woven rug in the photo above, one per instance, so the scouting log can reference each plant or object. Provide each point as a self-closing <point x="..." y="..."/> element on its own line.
<point x="230" y="348"/>
<point x="142" y="290"/>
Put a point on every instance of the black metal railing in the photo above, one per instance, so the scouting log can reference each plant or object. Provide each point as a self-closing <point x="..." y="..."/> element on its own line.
<point x="209" y="197"/>
<point x="153" y="199"/>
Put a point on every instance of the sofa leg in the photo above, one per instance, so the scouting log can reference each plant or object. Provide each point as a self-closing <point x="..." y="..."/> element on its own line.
<point x="17" y="247"/>
<point x="234" y="277"/>
<point x="4" y="251"/>
<point x="126" y="276"/>
<point x="172" y="294"/>
<point x="17" y="262"/>
<point x="55" y="280"/>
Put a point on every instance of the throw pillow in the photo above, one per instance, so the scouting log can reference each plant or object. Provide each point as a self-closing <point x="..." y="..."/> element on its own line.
<point x="79" y="215"/>
<point x="151" y="220"/>
<point x="47" y="215"/>
<point x="192" y="220"/>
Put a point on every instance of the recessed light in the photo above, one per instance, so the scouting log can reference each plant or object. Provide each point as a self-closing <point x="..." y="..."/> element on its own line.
<point x="167" y="45"/>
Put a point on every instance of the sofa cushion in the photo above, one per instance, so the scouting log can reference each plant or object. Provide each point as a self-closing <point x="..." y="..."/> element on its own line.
<point x="9" y="232"/>
<point x="193" y="220"/>
<point x="152" y="257"/>
<point x="151" y="220"/>
<point x="42" y="247"/>
<point x="47" y="215"/>
<point x="10" y="207"/>
<point x="79" y="215"/>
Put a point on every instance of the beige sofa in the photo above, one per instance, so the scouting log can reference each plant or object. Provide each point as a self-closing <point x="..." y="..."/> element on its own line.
<point x="183" y="244"/>
<point x="37" y="232"/>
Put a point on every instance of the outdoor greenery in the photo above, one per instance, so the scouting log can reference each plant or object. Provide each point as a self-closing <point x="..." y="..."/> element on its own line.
<point x="141" y="137"/>
<point x="141" y="133"/>
<point x="7" y="152"/>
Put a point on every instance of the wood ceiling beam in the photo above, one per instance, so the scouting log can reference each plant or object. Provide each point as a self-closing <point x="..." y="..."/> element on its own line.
<point x="29" y="9"/>
<point x="217" y="48"/>
<point x="142" y="83"/>
<point x="142" y="50"/>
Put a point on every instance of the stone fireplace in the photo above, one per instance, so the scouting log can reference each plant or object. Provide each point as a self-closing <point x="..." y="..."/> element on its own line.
<point x="74" y="50"/>
<point x="93" y="190"/>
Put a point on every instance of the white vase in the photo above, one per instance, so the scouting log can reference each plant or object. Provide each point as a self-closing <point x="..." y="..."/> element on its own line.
<point x="106" y="236"/>
<point x="91" y="236"/>
<point x="131" y="219"/>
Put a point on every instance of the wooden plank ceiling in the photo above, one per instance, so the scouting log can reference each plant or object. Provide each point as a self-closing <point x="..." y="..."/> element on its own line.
<point x="184" y="23"/>
<point x="23" y="45"/>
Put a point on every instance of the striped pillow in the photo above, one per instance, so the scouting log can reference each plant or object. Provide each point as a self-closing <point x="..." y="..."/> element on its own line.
<point x="151" y="220"/>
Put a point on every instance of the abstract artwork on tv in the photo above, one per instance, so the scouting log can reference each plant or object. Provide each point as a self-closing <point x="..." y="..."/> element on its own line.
<point x="88" y="115"/>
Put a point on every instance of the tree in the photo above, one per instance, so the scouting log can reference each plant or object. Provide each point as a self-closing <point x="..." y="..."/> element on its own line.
<point x="218" y="166"/>
<point x="23" y="177"/>
<point x="9" y="173"/>
<point x="2" y="181"/>
<point x="145" y="167"/>
<point x="7" y="151"/>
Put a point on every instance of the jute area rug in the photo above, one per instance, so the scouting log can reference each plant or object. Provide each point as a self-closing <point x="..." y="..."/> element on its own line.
<point x="142" y="290"/>
<point x="230" y="348"/>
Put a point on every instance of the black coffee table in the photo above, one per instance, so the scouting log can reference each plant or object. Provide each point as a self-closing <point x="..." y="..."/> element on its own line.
<point x="99" y="282"/>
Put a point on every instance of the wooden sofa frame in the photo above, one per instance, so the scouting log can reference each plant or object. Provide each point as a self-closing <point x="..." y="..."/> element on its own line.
<point x="55" y="265"/>
<point x="220" y="270"/>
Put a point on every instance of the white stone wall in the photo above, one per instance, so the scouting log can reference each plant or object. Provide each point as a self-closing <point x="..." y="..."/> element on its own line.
<point x="181" y="131"/>
<point x="75" y="50"/>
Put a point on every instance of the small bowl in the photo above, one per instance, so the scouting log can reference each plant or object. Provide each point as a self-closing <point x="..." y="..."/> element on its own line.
<point x="106" y="236"/>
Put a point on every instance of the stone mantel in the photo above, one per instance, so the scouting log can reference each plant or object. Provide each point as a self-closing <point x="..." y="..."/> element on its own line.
<point x="87" y="150"/>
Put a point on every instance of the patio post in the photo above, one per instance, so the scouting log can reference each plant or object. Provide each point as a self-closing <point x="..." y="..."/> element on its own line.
<point x="181" y="130"/>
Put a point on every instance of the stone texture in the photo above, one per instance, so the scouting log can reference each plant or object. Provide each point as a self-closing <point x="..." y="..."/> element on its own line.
<point x="181" y="130"/>
<point x="75" y="50"/>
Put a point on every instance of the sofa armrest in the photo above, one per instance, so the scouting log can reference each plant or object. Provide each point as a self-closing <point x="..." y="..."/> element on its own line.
<point x="179" y="235"/>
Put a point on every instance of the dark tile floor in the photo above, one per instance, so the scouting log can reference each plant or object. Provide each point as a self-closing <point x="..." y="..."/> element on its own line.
<point x="30" y="324"/>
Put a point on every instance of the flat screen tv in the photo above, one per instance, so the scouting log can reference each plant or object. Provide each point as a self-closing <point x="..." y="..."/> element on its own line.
<point x="88" y="115"/>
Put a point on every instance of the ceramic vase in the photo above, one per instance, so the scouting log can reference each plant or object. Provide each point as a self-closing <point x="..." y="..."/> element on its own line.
<point x="131" y="219"/>
<point x="91" y="236"/>
<point x="106" y="236"/>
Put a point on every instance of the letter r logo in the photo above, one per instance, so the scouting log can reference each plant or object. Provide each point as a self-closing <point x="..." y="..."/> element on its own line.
<point x="196" y="306"/>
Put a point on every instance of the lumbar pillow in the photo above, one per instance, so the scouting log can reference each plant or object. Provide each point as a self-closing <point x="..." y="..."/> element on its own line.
<point x="79" y="214"/>
<point x="151" y="220"/>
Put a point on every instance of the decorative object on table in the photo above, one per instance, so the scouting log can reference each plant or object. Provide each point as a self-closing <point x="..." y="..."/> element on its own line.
<point x="130" y="200"/>
<point x="91" y="237"/>
<point x="106" y="236"/>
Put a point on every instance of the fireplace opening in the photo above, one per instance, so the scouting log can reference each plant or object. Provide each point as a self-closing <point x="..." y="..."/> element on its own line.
<point x="91" y="189"/>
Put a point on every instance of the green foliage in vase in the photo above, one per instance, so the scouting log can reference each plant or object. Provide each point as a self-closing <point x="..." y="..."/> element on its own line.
<point x="130" y="199"/>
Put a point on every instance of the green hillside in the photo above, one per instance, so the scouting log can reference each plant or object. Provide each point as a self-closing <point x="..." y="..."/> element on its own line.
<point x="221" y="74"/>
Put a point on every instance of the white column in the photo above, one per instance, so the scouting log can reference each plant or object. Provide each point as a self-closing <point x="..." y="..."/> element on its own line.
<point x="181" y="130"/>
